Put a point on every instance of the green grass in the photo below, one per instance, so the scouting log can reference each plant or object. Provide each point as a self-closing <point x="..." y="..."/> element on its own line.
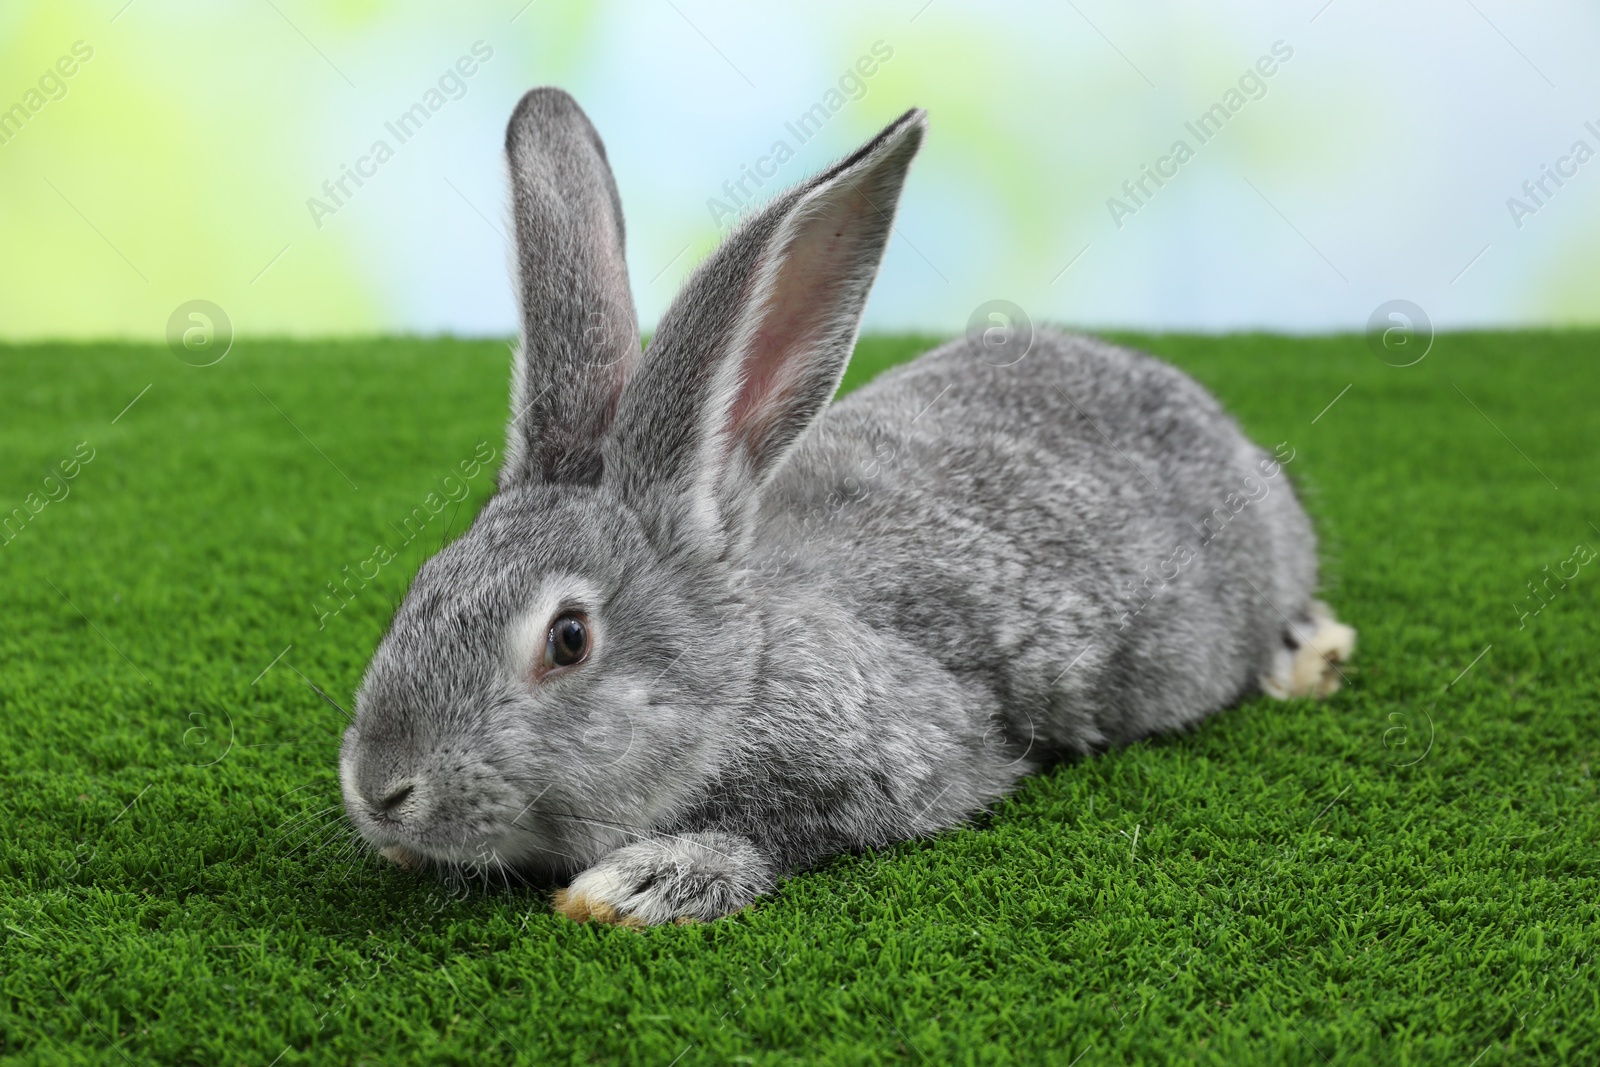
<point x="1406" y="873"/>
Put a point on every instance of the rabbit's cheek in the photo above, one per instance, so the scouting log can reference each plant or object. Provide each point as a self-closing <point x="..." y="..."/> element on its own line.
<point x="605" y="741"/>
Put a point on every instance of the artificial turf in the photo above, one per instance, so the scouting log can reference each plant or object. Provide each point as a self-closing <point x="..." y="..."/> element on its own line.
<point x="1405" y="873"/>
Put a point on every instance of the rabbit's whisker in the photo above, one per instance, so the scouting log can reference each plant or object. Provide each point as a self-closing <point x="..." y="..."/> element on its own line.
<point x="318" y="690"/>
<point x="289" y="825"/>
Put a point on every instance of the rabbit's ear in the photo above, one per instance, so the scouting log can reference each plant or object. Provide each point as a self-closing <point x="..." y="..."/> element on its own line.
<point x="752" y="350"/>
<point x="580" y="336"/>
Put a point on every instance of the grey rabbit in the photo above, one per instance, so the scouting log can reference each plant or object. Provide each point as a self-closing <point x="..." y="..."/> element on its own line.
<point x="712" y="628"/>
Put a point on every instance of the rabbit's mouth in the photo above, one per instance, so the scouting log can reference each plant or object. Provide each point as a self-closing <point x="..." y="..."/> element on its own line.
<point x="420" y="817"/>
<point x="403" y="857"/>
<point x="483" y="853"/>
<point x="496" y="860"/>
<point x="420" y="813"/>
<point x="483" y="840"/>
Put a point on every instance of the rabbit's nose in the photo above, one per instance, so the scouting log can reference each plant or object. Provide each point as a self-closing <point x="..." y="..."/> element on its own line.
<point x="397" y="800"/>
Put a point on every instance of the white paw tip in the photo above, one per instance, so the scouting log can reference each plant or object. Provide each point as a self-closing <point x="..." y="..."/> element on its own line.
<point x="1312" y="670"/>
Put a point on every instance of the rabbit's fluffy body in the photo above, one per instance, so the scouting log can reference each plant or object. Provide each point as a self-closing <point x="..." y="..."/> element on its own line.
<point x="815" y="628"/>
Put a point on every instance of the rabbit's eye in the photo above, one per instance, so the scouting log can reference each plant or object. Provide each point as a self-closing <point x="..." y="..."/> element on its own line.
<point x="569" y="641"/>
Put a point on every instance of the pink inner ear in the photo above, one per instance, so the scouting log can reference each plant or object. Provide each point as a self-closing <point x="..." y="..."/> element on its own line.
<point x="796" y="316"/>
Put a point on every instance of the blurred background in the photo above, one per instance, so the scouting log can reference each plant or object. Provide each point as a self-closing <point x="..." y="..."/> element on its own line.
<point x="327" y="168"/>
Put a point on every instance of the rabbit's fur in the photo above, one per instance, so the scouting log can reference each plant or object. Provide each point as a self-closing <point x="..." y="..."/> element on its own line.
<point x="815" y="628"/>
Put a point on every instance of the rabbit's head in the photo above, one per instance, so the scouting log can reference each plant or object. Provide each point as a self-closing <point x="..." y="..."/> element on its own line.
<point x="569" y="671"/>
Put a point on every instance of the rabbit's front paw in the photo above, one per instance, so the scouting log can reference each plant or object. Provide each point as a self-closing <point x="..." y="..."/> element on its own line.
<point x="1312" y="668"/>
<point x="683" y="878"/>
